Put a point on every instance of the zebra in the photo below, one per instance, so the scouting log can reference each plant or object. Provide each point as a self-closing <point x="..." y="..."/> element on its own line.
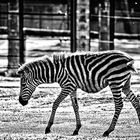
<point x="88" y="71"/>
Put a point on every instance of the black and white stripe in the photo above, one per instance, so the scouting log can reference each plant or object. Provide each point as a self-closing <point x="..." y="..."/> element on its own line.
<point x="88" y="71"/>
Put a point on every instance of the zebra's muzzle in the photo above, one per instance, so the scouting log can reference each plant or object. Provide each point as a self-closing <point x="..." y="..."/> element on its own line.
<point x="22" y="101"/>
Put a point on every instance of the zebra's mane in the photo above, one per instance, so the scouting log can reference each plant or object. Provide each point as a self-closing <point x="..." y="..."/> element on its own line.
<point x="59" y="56"/>
<point x="54" y="58"/>
<point x="37" y="60"/>
<point x="64" y="55"/>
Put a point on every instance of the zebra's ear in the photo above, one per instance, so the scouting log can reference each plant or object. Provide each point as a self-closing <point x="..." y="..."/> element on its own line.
<point x="23" y="71"/>
<point x="20" y="71"/>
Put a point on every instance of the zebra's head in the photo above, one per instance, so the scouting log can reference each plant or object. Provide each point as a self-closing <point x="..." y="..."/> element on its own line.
<point x="27" y="87"/>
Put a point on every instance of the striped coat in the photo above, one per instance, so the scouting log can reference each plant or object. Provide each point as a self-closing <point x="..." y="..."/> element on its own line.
<point x="88" y="71"/>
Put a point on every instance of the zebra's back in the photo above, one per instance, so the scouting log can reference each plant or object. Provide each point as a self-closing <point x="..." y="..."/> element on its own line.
<point x="92" y="72"/>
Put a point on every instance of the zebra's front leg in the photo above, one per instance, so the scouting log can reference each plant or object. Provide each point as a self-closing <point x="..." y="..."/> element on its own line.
<point x="76" y="111"/>
<point x="56" y="103"/>
<point x="118" y="107"/>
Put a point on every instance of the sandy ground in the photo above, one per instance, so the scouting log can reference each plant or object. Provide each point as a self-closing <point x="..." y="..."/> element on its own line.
<point x="96" y="111"/>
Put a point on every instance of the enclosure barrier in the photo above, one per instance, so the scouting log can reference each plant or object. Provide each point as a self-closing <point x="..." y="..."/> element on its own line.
<point x="64" y="33"/>
<point x="71" y="32"/>
<point x="46" y="32"/>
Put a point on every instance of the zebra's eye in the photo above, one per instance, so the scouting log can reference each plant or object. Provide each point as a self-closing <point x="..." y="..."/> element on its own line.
<point x="23" y="81"/>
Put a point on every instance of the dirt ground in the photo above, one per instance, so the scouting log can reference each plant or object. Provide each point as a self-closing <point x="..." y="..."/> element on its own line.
<point x="96" y="111"/>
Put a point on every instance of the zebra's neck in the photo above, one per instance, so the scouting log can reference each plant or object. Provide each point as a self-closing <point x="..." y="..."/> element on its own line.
<point x="43" y="71"/>
<point x="49" y="71"/>
<point x="59" y="64"/>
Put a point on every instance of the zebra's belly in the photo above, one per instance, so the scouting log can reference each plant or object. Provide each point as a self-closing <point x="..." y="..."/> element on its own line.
<point x="92" y="86"/>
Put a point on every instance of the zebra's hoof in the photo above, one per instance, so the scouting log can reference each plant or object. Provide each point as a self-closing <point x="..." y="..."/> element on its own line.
<point x="106" y="134"/>
<point x="47" y="131"/>
<point x="75" y="133"/>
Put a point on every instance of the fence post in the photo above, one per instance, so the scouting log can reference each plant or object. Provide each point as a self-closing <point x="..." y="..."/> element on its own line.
<point x="73" y="26"/>
<point x="21" y="33"/>
<point x="83" y="28"/>
<point x="13" y="36"/>
<point x="112" y="25"/>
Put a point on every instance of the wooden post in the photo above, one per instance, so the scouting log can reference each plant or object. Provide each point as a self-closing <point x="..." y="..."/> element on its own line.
<point x="73" y="25"/>
<point x="13" y="36"/>
<point x="83" y="28"/>
<point x="104" y="26"/>
<point x="0" y="15"/>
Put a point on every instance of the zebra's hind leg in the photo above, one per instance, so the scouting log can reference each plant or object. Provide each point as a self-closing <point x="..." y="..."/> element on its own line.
<point x="132" y="98"/>
<point x="56" y="103"/>
<point x="118" y="107"/>
<point x="76" y="110"/>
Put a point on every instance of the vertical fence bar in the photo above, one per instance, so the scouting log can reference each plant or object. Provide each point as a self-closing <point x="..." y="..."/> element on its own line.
<point x="21" y="33"/>
<point x="112" y="25"/>
<point x="73" y="25"/>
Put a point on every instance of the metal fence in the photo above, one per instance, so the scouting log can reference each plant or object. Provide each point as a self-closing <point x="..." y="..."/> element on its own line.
<point x="52" y="22"/>
<point x="37" y="21"/>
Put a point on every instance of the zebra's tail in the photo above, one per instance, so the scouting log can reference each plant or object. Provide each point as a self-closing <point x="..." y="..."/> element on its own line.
<point x="131" y="66"/>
